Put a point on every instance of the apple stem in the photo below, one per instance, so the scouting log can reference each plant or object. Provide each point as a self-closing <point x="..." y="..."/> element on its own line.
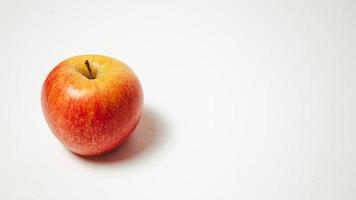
<point x="89" y="69"/>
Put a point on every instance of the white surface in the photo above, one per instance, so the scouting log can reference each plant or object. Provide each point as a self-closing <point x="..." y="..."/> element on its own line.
<point x="243" y="99"/>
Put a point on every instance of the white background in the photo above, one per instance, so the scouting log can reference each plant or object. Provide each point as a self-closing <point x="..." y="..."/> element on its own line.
<point x="243" y="99"/>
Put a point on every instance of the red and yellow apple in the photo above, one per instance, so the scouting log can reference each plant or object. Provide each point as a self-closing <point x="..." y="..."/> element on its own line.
<point x="92" y="103"/>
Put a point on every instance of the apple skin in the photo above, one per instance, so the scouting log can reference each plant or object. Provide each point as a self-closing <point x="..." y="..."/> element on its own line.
<point x="92" y="116"/>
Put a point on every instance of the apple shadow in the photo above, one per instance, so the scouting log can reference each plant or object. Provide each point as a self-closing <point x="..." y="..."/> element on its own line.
<point x="146" y="136"/>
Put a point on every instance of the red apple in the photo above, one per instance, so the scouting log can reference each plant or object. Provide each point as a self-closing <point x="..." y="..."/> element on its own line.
<point x="92" y="103"/>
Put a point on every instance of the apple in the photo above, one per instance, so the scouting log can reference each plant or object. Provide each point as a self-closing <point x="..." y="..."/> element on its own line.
<point x="92" y="103"/>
